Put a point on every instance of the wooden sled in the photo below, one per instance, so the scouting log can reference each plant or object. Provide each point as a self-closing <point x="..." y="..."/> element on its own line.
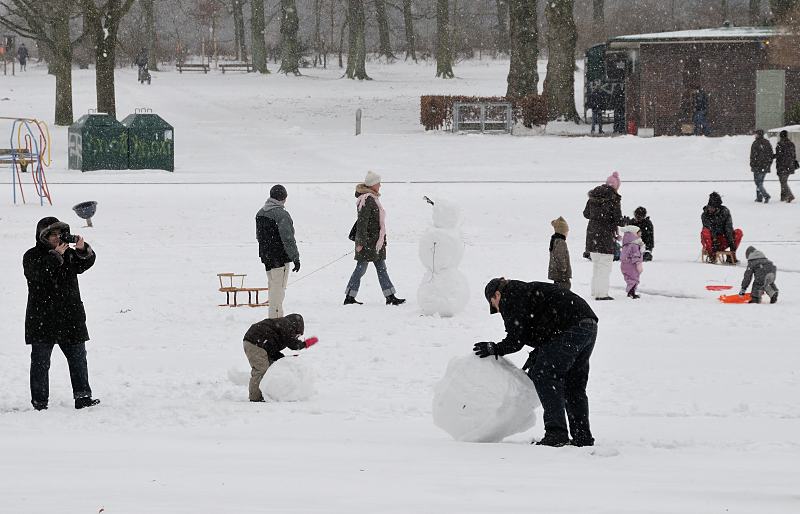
<point x="226" y="285"/>
<point x="721" y="257"/>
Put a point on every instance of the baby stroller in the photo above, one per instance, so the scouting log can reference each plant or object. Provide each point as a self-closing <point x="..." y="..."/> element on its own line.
<point x="144" y="74"/>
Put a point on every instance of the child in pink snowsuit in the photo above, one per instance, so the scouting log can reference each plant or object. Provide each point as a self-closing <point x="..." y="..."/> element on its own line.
<point x="631" y="259"/>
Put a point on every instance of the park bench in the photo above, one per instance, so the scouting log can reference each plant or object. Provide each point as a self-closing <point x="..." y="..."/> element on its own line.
<point x="226" y="285"/>
<point x="482" y="117"/>
<point x="7" y="155"/>
<point x="192" y="67"/>
<point x="236" y="66"/>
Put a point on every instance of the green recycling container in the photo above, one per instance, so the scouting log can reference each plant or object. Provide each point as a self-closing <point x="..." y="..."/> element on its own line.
<point x="151" y="143"/>
<point x="98" y="142"/>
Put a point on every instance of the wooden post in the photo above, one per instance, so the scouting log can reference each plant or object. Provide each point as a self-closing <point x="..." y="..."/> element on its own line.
<point x="358" y="121"/>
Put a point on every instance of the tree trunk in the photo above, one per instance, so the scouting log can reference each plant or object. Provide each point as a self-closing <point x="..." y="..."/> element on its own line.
<point x="290" y="22"/>
<point x="444" y="49"/>
<point x="62" y="66"/>
<point x="385" y="45"/>
<point x="723" y="7"/>
<point x="238" y="31"/>
<point x="408" y="21"/>
<point x="104" y="27"/>
<point x="357" y="53"/>
<point x="785" y="11"/>
<point x="258" y="26"/>
<point x="319" y="46"/>
<point x="345" y="26"/>
<point x="150" y="33"/>
<point x="503" y="41"/>
<point x="598" y="20"/>
<point x="523" y="78"/>
<point x="559" y="84"/>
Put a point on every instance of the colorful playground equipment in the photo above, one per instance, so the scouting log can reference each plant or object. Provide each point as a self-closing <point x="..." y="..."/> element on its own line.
<point x="28" y="152"/>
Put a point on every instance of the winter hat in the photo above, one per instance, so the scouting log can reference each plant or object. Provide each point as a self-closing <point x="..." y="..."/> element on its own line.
<point x="560" y="226"/>
<point x="372" y="179"/>
<point x="750" y="249"/>
<point x="47" y="226"/>
<point x="640" y="212"/>
<point x="613" y="180"/>
<point x="784" y="134"/>
<point x="278" y="192"/>
<point x="494" y="285"/>
<point x="714" y="200"/>
<point x="296" y="321"/>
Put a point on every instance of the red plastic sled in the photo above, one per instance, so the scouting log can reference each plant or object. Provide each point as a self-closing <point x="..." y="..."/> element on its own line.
<point x="718" y="288"/>
<point x="735" y="298"/>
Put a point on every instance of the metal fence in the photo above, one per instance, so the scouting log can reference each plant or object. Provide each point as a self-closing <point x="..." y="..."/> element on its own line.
<point x="482" y="117"/>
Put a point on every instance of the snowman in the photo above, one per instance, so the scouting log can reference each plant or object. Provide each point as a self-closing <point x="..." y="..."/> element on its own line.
<point x="444" y="289"/>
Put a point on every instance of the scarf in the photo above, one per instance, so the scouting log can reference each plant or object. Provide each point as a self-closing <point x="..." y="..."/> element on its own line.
<point x="362" y="199"/>
<point x="553" y="239"/>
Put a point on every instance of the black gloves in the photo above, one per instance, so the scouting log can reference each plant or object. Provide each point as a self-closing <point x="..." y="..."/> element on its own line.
<point x="296" y="265"/>
<point x="485" y="349"/>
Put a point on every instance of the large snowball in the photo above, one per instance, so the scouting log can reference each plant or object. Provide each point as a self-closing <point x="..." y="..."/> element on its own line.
<point x="446" y="214"/>
<point x="441" y="249"/>
<point x="445" y="293"/>
<point x="484" y="400"/>
<point x="288" y="380"/>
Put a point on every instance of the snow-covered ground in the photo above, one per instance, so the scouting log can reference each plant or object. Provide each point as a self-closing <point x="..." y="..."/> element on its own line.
<point x="694" y="403"/>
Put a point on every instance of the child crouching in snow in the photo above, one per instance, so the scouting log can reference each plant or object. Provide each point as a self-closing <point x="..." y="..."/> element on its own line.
<point x="559" y="269"/>
<point x="631" y="263"/>
<point x="764" y="271"/>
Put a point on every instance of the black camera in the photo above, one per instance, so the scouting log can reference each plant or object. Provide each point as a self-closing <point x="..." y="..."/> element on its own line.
<point x="68" y="238"/>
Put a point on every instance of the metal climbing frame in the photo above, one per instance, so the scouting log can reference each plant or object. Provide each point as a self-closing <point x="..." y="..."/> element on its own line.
<point x="31" y="149"/>
<point x="482" y="117"/>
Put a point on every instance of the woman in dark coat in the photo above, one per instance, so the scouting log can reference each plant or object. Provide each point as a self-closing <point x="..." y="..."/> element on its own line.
<point x="55" y="314"/>
<point x="370" y="240"/>
<point x="785" y="159"/>
<point x="604" y="212"/>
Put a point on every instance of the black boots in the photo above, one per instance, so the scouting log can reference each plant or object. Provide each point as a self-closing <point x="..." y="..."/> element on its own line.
<point x="774" y="298"/>
<point x="632" y="294"/>
<point x="39" y="406"/>
<point x="81" y="403"/>
<point x="348" y="300"/>
<point x="393" y="300"/>
<point x="551" y="439"/>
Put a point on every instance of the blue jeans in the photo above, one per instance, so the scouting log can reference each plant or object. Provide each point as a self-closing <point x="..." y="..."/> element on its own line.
<point x="761" y="192"/>
<point x="560" y="373"/>
<point x="700" y="124"/>
<point x="383" y="278"/>
<point x="40" y="371"/>
<point x="597" y="119"/>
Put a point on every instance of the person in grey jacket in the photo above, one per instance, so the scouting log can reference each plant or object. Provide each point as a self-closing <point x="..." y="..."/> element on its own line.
<point x="762" y="273"/>
<point x="276" y="246"/>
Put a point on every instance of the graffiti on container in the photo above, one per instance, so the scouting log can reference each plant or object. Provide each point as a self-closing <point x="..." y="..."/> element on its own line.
<point x="117" y="145"/>
<point x="149" y="149"/>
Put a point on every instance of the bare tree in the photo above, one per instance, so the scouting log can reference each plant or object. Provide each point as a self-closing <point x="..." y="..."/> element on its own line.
<point x="258" y="27"/>
<point x="357" y="53"/>
<point x="408" y="23"/>
<point x="559" y="84"/>
<point x="238" y="30"/>
<point x="598" y="19"/>
<point x="384" y="36"/>
<point x="150" y="33"/>
<point x="444" y="45"/>
<point x="102" y="19"/>
<point x="290" y="23"/>
<point x="503" y="42"/>
<point x="523" y="78"/>
<point x="786" y="12"/>
<point x="47" y="22"/>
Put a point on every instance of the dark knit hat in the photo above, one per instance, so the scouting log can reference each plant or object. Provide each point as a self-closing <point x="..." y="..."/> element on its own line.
<point x="296" y="321"/>
<point x="278" y="192"/>
<point x="47" y="226"/>
<point x="714" y="200"/>
<point x="494" y="285"/>
<point x="640" y="212"/>
<point x="750" y="249"/>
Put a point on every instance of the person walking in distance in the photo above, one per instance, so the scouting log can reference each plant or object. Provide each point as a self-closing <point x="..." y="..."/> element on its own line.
<point x="276" y="246"/>
<point x="786" y="164"/>
<point x="55" y="313"/>
<point x="760" y="163"/>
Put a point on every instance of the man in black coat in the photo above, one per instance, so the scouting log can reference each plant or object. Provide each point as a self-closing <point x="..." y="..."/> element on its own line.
<point x="761" y="156"/>
<point x="642" y="220"/>
<point x="597" y="103"/>
<point x="263" y="345"/>
<point x="562" y="328"/>
<point x="55" y="314"/>
<point x="785" y="164"/>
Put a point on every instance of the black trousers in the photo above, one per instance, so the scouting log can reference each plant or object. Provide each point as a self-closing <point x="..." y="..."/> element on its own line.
<point x="560" y="374"/>
<point x="40" y="371"/>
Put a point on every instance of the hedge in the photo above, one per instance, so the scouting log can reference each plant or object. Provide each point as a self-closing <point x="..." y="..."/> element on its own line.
<point x="436" y="111"/>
